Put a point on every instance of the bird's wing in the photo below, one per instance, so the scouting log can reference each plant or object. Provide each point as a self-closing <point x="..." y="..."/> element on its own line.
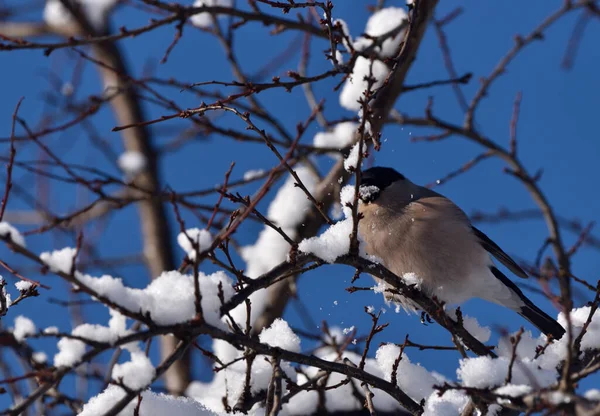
<point x="499" y="254"/>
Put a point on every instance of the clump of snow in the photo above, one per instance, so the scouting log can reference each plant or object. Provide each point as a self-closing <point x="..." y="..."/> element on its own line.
<point x="555" y="352"/>
<point x="8" y="231"/>
<point x="201" y="237"/>
<point x="279" y="334"/>
<point x="135" y="374"/>
<point x="345" y="30"/>
<point x="70" y="351"/>
<point x="24" y="327"/>
<point x="380" y="287"/>
<point x="451" y="403"/>
<point x="341" y="136"/>
<point x="412" y="279"/>
<point x="230" y="383"/>
<point x="591" y="339"/>
<point x="170" y="298"/>
<point x="152" y="404"/>
<point x="380" y="23"/>
<point x="287" y="210"/>
<point x="525" y="348"/>
<point x="132" y="163"/>
<point x="51" y="330"/>
<point x="253" y="174"/>
<point x="59" y="260"/>
<point x="482" y="333"/>
<point x="512" y="390"/>
<point x="592" y="394"/>
<point x="413" y="379"/>
<point x="96" y="11"/>
<point x="4" y="295"/>
<point x="351" y="162"/>
<point x="482" y="372"/>
<point x="334" y="242"/>
<point x="39" y="357"/>
<point x="356" y="85"/>
<point x="205" y="19"/>
<point x="340" y="399"/>
<point x="367" y="192"/>
<point x="347" y="199"/>
<point x="23" y="285"/>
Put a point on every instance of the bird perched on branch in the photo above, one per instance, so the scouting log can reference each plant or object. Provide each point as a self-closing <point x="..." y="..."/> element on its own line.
<point x="418" y="232"/>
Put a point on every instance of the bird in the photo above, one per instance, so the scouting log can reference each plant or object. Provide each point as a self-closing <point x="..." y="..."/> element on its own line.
<point x="413" y="229"/>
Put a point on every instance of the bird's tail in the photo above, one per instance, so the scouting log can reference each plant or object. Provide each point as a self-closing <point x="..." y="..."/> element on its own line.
<point x="541" y="320"/>
<point x="529" y="311"/>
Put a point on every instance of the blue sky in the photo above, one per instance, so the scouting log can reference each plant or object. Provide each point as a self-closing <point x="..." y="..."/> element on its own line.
<point x="557" y="132"/>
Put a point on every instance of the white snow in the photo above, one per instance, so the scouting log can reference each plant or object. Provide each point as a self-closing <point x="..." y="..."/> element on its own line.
<point x="351" y="162"/>
<point x="135" y="374"/>
<point x="8" y="231"/>
<point x="525" y="348"/>
<point x="381" y="22"/>
<point x="4" y="294"/>
<point x="205" y="20"/>
<point x="153" y="404"/>
<point x="346" y="331"/>
<point x="279" y="334"/>
<point x="23" y="285"/>
<point x="253" y="174"/>
<point x="355" y="85"/>
<point x="413" y="379"/>
<point x="96" y="11"/>
<point x="412" y="279"/>
<point x="340" y="399"/>
<point x="482" y="333"/>
<point x="592" y="394"/>
<point x="39" y="357"/>
<point x="591" y="339"/>
<point x="170" y="298"/>
<point x="24" y="327"/>
<point x="484" y="372"/>
<point x="334" y="242"/>
<point x="512" y="390"/>
<point x="132" y="163"/>
<point x="346" y="32"/>
<point x="341" y="136"/>
<point x="51" y="330"/>
<point x="230" y="381"/>
<point x="451" y="403"/>
<point x="59" y="260"/>
<point x="287" y="210"/>
<point x="70" y="351"/>
<point x="201" y="237"/>
<point x="555" y="352"/>
<point x="367" y="192"/>
<point x="347" y="198"/>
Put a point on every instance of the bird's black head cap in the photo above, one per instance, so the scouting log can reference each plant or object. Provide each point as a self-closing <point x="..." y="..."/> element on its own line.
<point x="377" y="177"/>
